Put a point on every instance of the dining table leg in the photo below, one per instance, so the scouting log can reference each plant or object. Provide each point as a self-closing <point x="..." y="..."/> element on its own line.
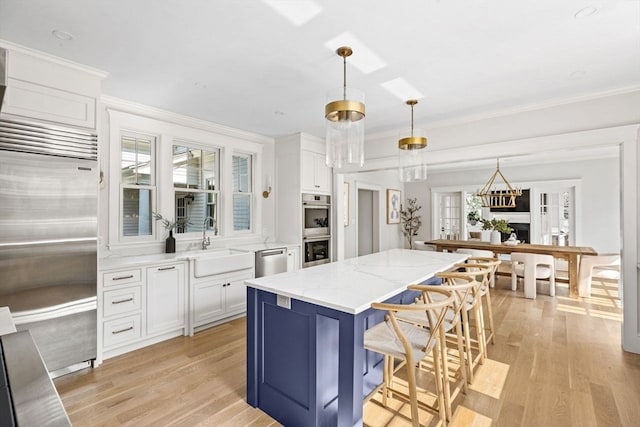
<point x="574" y="263"/>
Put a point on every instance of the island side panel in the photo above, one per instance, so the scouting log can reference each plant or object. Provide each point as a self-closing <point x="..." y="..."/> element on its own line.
<point x="307" y="365"/>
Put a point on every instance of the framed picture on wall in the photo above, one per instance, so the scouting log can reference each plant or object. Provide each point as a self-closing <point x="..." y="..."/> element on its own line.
<point x="393" y="206"/>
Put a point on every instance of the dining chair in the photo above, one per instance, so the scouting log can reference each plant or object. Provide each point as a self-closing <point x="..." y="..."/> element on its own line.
<point x="410" y="344"/>
<point x="587" y="264"/>
<point x="532" y="267"/>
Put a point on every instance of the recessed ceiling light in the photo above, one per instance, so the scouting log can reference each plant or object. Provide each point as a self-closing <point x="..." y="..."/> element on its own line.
<point x="62" y="35"/>
<point x="298" y="12"/>
<point x="402" y="89"/>
<point x="363" y="58"/>
<point x="585" y="12"/>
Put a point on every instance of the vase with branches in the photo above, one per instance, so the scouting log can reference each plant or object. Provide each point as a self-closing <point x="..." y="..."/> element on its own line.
<point x="410" y="220"/>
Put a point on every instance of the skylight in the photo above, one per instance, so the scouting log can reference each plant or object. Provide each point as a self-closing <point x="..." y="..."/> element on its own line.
<point x="402" y="89"/>
<point x="363" y="58"/>
<point x="298" y="12"/>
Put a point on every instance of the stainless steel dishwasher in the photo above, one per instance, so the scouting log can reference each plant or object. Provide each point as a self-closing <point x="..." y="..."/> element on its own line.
<point x="271" y="261"/>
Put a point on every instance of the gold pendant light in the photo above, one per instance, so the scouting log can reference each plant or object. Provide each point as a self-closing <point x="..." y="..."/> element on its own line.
<point x="496" y="195"/>
<point x="413" y="165"/>
<point x="345" y="128"/>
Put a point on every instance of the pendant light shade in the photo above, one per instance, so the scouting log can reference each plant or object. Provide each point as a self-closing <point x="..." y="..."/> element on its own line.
<point x="345" y="125"/>
<point x="412" y="155"/>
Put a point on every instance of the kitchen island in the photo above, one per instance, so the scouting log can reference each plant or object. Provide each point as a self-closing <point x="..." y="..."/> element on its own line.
<point x="306" y="363"/>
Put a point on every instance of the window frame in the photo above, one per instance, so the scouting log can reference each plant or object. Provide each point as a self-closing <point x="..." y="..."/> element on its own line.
<point x="152" y="186"/>
<point x="190" y="145"/>
<point x="251" y="178"/>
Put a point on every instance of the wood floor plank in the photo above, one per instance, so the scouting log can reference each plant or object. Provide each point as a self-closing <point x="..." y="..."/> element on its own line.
<point x="555" y="362"/>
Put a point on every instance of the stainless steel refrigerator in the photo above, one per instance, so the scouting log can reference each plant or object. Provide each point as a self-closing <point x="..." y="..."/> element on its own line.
<point x="48" y="237"/>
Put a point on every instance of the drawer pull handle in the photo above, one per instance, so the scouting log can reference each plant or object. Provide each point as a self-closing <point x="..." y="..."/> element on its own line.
<point x="122" y="301"/>
<point x="130" y="328"/>
<point x="123" y="277"/>
<point x="167" y="268"/>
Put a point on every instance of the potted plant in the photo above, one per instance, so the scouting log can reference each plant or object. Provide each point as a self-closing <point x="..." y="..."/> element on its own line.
<point x="473" y="217"/>
<point x="170" y="243"/>
<point x="410" y="220"/>
<point x="497" y="228"/>
<point x="474" y="205"/>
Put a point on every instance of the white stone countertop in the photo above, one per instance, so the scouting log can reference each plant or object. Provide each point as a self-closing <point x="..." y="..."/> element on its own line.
<point x="127" y="261"/>
<point x="352" y="285"/>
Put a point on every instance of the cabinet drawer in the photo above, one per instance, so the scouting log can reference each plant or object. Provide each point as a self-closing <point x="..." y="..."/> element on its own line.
<point x="119" y="301"/>
<point x="122" y="277"/>
<point x="120" y="331"/>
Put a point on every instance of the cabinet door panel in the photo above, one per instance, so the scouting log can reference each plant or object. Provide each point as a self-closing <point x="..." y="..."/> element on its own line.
<point x="308" y="171"/>
<point x="165" y="298"/>
<point x="236" y="296"/>
<point x="208" y="301"/>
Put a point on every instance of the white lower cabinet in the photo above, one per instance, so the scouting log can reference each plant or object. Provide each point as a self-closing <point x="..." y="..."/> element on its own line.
<point x="165" y="298"/>
<point x="140" y="306"/>
<point x="218" y="297"/>
<point x="293" y="259"/>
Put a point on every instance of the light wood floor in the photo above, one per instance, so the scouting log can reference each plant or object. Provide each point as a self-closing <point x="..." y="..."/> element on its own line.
<point x="556" y="362"/>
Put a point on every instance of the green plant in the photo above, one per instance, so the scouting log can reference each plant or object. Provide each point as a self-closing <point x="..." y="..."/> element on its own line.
<point x="170" y="225"/>
<point x="411" y="222"/>
<point x="473" y="216"/>
<point x="501" y="225"/>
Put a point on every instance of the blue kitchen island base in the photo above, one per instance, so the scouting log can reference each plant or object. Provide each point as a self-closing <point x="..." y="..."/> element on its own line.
<point x="306" y="365"/>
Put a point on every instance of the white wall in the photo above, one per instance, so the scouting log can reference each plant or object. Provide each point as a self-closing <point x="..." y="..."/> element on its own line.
<point x="598" y="202"/>
<point x="390" y="234"/>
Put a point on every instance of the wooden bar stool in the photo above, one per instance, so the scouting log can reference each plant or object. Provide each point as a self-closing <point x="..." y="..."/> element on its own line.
<point x="485" y="293"/>
<point x="409" y="344"/>
<point x="457" y="381"/>
<point x="471" y="308"/>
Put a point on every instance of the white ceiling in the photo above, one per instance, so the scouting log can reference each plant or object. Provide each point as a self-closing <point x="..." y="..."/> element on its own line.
<point x="242" y="64"/>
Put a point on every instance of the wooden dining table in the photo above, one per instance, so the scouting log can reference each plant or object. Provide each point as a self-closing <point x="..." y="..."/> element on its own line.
<point x="570" y="253"/>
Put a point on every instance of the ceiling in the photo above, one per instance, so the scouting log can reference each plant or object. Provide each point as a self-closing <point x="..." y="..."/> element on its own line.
<point x="242" y="63"/>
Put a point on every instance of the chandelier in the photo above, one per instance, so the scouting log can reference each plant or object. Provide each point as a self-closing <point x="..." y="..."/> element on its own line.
<point x="413" y="165"/>
<point x="345" y="128"/>
<point x="496" y="195"/>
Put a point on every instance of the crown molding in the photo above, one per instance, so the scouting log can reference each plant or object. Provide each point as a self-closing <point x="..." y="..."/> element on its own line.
<point x="51" y="58"/>
<point x="180" y="119"/>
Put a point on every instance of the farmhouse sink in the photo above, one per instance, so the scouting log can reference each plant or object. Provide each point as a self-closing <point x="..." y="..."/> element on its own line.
<point x="211" y="262"/>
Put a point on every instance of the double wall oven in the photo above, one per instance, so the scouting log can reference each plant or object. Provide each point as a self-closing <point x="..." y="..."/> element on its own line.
<point x="316" y="229"/>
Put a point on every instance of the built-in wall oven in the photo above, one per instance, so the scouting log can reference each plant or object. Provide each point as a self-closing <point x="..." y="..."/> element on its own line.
<point x="317" y="250"/>
<point x="316" y="229"/>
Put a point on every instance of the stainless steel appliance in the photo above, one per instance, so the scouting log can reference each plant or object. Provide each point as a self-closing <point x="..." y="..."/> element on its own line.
<point x="317" y="250"/>
<point x="48" y="237"/>
<point x="316" y="229"/>
<point x="271" y="261"/>
<point x="316" y="211"/>
<point x="27" y="394"/>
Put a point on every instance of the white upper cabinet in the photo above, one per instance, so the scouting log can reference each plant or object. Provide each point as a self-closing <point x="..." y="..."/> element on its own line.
<point x="51" y="89"/>
<point x="316" y="176"/>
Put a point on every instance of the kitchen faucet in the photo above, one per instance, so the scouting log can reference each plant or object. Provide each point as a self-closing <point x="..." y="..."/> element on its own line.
<point x="205" y="239"/>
